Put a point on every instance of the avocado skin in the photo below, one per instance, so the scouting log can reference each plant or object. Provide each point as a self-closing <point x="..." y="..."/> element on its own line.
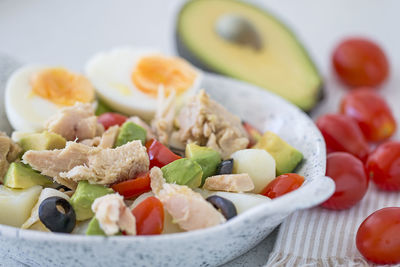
<point x="130" y="131"/>
<point x="185" y="52"/>
<point x="84" y="197"/>
<point x="21" y="176"/>
<point x="286" y="157"/>
<point x="206" y="157"/>
<point x="42" y="141"/>
<point x="183" y="172"/>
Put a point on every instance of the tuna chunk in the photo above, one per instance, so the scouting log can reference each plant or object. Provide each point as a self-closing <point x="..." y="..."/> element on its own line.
<point x="107" y="140"/>
<point x="163" y="121"/>
<point x="113" y="215"/>
<point x="76" y="122"/>
<point x="188" y="208"/>
<point x="229" y="183"/>
<point x="9" y="152"/>
<point x="97" y="165"/>
<point x="207" y="123"/>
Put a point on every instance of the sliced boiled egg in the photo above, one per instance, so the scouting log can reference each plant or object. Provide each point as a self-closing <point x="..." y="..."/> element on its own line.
<point x="36" y="92"/>
<point x="128" y="79"/>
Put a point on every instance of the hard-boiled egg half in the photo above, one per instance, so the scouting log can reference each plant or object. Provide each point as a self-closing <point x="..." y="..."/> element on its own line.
<point x="36" y="92"/>
<point x="128" y="79"/>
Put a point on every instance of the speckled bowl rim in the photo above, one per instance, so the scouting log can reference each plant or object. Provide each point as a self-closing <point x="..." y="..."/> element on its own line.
<point x="284" y="201"/>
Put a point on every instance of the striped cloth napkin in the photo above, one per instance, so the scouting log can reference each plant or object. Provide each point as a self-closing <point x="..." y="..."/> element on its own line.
<point x="320" y="237"/>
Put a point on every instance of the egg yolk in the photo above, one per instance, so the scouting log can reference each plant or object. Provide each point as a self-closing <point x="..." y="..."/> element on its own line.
<point x="153" y="71"/>
<point x="62" y="87"/>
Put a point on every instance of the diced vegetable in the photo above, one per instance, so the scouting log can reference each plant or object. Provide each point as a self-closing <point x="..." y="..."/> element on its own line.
<point x="129" y="132"/>
<point x="42" y="141"/>
<point x="20" y="176"/>
<point x="258" y="163"/>
<point x="283" y="184"/>
<point x="55" y="220"/>
<point x="110" y="119"/>
<point x="102" y="108"/>
<point x="134" y="187"/>
<point x="94" y="228"/>
<point x="149" y="216"/>
<point x="183" y="172"/>
<point x="159" y="154"/>
<point x="16" y="204"/>
<point x="254" y="134"/>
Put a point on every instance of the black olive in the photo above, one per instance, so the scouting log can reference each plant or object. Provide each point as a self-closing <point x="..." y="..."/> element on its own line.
<point x="57" y="215"/>
<point x="225" y="167"/>
<point x="63" y="187"/>
<point x="226" y="206"/>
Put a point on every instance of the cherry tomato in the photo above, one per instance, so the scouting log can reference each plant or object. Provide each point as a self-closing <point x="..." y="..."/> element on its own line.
<point x="159" y="154"/>
<point x="149" y="215"/>
<point x="383" y="166"/>
<point x="378" y="237"/>
<point x="134" y="187"/>
<point x="360" y="62"/>
<point x="351" y="181"/>
<point x="371" y="112"/>
<point x="342" y="133"/>
<point x="253" y="133"/>
<point x="110" y="119"/>
<point x="283" y="184"/>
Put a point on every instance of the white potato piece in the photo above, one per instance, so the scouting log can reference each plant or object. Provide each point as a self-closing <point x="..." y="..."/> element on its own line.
<point x="242" y="201"/>
<point x="46" y="193"/>
<point x="169" y="226"/>
<point x="16" y="204"/>
<point x="258" y="163"/>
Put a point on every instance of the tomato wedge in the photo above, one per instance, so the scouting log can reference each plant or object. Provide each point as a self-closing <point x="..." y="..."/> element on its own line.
<point x="134" y="187"/>
<point x="253" y="133"/>
<point x="109" y="119"/>
<point x="283" y="184"/>
<point x="149" y="216"/>
<point x="159" y="154"/>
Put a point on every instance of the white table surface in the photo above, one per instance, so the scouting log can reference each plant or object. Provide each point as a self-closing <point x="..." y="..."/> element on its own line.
<point x="68" y="32"/>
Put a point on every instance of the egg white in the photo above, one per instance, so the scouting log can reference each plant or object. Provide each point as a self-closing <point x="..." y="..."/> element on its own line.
<point x="110" y="73"/>
<point x="26" y="111"/>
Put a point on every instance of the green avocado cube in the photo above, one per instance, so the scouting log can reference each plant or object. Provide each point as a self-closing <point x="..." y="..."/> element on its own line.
<point x="42" y="141"/>
<point x="94" y="228"/>
<point x="130" y="131"/>
<point x="21" y="176"/>
<point x="102" y="108"/>
<point x="286" y="157"/>
<point x="84" y="196"/>
<point x="206" y="157"/>
<point x="183" y="172"/>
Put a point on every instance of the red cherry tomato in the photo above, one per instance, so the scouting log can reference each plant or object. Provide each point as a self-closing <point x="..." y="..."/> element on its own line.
<point x="371" y="112"/>
<point x="383" y="166"/>
<point x="134" y="187"/>
<point x="360" y="62"/>
<point x="378" y="237"/>
<point x="159" y="154"/>
<point x="351" y="181"/>
<point x="110" y="119"/>
<point x="341" y="133"/>
<point x="253" y="133"/>
<point x="283" y="184"/>
<point x="149" y="215"/>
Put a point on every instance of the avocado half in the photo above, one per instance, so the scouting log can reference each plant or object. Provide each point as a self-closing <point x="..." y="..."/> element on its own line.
<point x="280" y="65"/>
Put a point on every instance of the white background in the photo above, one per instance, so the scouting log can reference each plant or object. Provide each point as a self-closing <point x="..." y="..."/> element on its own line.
<point x="68" y="32"/>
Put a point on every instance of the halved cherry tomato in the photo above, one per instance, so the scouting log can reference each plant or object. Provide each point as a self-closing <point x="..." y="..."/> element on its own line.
<point x="253" y="133"/>
<point x="342" y="133"/>
<point x="110" y="119"/>
<point x="149" y="216"/>
<point x="371" y="112"/>
<point x="383" y="166"/>
<point x="378" y="237"/>
<point x="159" y="154"/>
<point x="283" y="184"/>
<point x="351" y="181"/>
<point x="134" y="187"/>
<point x="360" y="62"/>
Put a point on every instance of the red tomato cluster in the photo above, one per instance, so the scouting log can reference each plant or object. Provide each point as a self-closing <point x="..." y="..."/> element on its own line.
<point x="364" y="117"/>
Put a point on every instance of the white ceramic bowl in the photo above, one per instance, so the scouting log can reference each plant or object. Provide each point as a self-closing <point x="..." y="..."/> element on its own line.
<point x="207" y="247"/>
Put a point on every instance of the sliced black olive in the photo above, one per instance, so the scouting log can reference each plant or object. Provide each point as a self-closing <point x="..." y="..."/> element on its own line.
<point x="225" y="167"/>
<point x="63" y="187"/>
<point x="226" y="206"/>
<point x="57" y="215"/>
